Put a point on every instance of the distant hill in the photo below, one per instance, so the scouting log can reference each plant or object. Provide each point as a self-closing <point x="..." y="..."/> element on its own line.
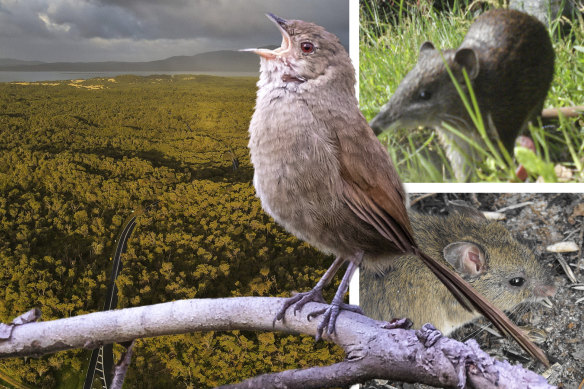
<point x="17" y="62"/>
<point x="217" y="61"/>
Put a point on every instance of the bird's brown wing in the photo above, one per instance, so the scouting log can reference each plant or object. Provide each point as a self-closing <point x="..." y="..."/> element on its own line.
<point x="372" y="188"/>
<point x="373" y="191"/>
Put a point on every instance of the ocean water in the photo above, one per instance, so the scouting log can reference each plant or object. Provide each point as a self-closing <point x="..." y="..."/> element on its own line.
<point x="10" y="76"/>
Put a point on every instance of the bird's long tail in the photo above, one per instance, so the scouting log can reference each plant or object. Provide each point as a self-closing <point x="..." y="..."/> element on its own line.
<point x="470" y="300"/>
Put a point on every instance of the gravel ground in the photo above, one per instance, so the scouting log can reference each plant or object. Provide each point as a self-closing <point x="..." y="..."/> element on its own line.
<point x="538" y="220"/>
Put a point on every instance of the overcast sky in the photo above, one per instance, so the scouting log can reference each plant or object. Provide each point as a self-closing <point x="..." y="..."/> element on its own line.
<point x="144" y="30"/>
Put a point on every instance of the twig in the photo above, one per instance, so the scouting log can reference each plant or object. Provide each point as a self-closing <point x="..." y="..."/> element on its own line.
<point x="513" y="206"/>
<point x="122" y="368"/>
<point x="421" y="197"/>
<point x="566" y="268"/>
<point x="580" y="261"/>
<point x="569" y="112"/>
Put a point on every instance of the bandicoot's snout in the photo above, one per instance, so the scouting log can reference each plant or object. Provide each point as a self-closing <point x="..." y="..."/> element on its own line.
<point x="379" y="123"/>
<point x="387" y="119"/>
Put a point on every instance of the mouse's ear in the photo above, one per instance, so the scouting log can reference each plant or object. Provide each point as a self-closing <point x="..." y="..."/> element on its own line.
<point x="467" y="258"/>
<point x="468" y="58"/>
<point x="462" y="208"/>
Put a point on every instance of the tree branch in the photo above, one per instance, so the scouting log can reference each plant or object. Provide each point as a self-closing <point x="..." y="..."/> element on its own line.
<point x="372" y="351"/>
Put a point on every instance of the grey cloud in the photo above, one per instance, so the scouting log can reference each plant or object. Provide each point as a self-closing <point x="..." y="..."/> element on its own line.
<point x="97" y="21"/>
<point x="150" y="29"/>
<point x="181" y="19"/>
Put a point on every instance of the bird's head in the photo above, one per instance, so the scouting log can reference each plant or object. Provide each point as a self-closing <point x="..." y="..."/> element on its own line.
<point x="307" y="53"/>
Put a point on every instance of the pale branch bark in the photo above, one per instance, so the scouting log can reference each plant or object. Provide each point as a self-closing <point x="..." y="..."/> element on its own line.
<point x="372" y="351"/>
<point x="121" y="368"/>
<point x="27" y="317"/>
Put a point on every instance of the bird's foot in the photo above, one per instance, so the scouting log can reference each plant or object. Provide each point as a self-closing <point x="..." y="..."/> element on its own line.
<point x="299" y="300"/>
<point x="330" y="316"/>
<point x="428" y="335"/>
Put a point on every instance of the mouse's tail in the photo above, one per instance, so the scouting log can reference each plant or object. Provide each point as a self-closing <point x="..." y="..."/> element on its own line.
<point x="472" y="300"/>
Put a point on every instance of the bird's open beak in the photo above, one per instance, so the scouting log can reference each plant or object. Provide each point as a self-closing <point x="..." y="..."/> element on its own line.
<point x="286" y="45"/>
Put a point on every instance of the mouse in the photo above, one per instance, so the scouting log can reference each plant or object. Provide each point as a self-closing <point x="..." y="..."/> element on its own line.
<point x="481" y="251"/>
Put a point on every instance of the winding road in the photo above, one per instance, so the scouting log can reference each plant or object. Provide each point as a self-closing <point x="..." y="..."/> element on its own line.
<point x="102" y="357"/>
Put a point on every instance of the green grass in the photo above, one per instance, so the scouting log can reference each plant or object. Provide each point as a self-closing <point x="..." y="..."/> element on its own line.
<point x="389" y="44"/>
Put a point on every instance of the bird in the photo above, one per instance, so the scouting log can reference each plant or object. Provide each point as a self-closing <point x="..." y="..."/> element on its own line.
<point x="321" y="173"/>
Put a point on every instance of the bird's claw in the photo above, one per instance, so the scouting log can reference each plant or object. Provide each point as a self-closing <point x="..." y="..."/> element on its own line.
<point x="331" y="312"/>
<point x="330" y="317"/>
<point x="299" y="300"/>
<point x="428" y="335"/>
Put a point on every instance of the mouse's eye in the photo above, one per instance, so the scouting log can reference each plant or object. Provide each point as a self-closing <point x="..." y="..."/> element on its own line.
<point x="425" y="94"/>
<point x="306" y="47"/>
<point x="517" y="281"/>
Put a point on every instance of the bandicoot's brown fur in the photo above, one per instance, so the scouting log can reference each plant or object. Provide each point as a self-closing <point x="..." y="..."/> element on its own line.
<point x="509" y="58"/>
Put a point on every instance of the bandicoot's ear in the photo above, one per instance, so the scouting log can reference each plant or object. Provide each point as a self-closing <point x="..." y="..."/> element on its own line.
<point x="461" y="208"/>
<point x="468" y="58"/>
<point x="467" y="258"/>
<point x="426" y="47"/>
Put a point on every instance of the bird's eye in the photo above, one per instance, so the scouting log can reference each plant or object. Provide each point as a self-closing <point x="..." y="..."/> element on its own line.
<point x="306" y="47"/>
<point x="517" y="281"/>
<point x="425" y="95"/>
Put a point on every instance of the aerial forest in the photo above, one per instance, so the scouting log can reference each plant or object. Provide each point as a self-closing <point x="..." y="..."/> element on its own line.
<point x="78" y="158"/>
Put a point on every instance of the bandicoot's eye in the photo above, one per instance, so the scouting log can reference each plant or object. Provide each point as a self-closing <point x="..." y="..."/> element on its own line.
<point x="307" y="47"/>
<point x="425" y="95"/>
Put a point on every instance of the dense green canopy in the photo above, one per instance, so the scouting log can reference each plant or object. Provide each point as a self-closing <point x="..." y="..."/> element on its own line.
<point x="77" y="158"/>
